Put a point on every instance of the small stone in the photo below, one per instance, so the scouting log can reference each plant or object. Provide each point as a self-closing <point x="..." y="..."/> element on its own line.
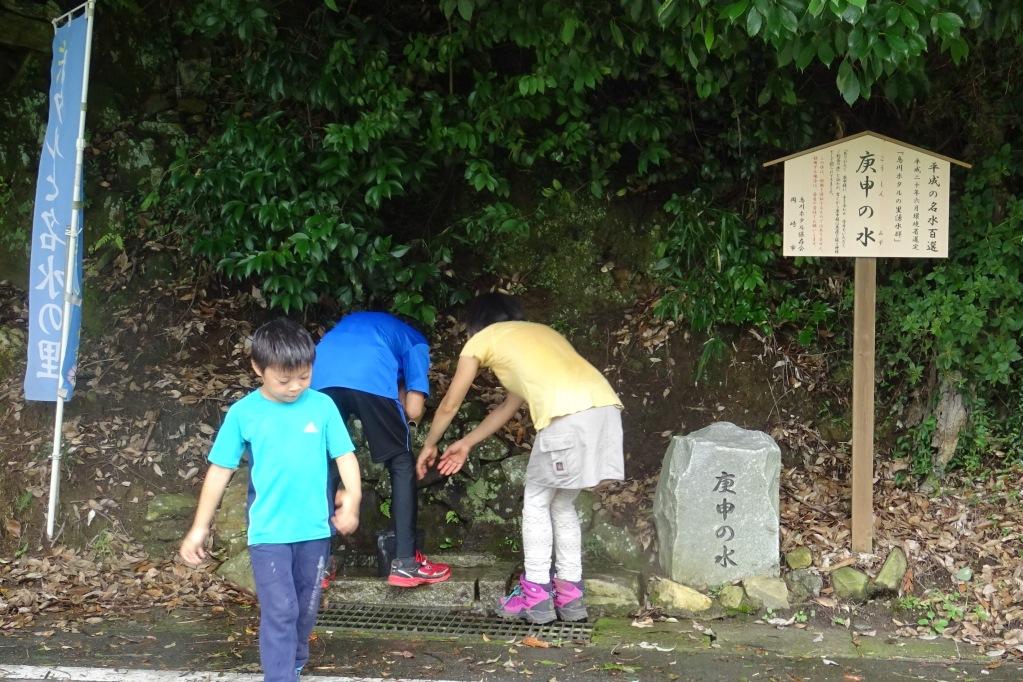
<point x="733" y="597"/>
<point x="850" y="584"/>
<point x="799" y="558"/>
<point x="767" y="592"/>
<point x="804" y="585"/>
<point x="612" y="594"/>
<point x="964" y="574"/>
<point x="677" y="599"/>
<point x="889" y="578"/>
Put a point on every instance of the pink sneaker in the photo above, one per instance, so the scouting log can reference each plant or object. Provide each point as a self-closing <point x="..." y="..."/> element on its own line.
<point x="568" y="601"/>
<point x="528" y="601"/>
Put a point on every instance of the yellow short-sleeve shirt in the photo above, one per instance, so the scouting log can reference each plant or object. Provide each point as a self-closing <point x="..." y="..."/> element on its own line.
<point x="537" y="363"/>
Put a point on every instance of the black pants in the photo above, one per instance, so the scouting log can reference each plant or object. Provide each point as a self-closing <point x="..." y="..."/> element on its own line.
<point x="386" y="430"/>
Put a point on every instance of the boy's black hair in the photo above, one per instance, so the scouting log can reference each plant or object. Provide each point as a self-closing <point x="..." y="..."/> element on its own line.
<point x="282" y="343"/>
<point x="488" y="309"/>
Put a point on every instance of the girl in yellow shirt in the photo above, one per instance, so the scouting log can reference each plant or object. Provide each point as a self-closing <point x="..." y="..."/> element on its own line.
<point x="578" y="444"/>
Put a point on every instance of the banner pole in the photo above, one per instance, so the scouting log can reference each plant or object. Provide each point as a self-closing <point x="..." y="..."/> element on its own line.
<point x="70" y="272"/>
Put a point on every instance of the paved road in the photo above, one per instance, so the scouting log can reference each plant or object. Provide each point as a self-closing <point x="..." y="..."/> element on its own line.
<point x="195" y="647"/>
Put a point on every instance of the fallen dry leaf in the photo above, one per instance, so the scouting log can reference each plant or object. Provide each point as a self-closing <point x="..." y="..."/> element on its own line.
<point x="535" y="643"/>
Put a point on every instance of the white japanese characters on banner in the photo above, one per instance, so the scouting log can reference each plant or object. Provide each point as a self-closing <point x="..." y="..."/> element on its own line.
<point x="867" y="196"/>
<point x="51" y="222"/>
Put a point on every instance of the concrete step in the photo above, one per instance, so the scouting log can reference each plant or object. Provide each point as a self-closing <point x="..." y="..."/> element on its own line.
<point x="469" y="587"/>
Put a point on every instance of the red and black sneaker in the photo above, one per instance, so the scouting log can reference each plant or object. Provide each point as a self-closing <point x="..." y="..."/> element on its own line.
<point x="424" y="573"/>
<point x="329" y="573"/>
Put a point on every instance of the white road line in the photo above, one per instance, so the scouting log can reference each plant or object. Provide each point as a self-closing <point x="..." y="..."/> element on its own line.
<point x="72" y="674"/>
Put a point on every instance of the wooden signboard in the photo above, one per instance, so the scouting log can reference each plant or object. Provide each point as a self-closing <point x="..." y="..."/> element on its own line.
<point x="866" y="196"/>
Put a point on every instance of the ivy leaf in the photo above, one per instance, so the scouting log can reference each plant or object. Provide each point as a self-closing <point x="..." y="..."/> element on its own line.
<point x="735" y="10"/>
<point x="909" y="19"/>
<point x="848" y="83"/>
<point x="332" y="4"/>
<point x="946" y="23"/>
<point x="708" y="37"/>
<point x="806" y="55"/>
<point x="664" y="12"/>
<point x="465" y="8"/>
<point x="568" y="29"/>
<point x="754" y="22"/>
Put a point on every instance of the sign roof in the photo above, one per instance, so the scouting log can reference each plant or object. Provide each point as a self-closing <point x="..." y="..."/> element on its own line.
<point x="870" y="133"/>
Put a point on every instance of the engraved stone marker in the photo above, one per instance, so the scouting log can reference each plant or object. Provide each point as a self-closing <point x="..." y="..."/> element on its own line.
<point x="716" y="506"/>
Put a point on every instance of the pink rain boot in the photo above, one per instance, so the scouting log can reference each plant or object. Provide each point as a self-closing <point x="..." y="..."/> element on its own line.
<point x="528" y="601"/>
<point x="568" y="601"/>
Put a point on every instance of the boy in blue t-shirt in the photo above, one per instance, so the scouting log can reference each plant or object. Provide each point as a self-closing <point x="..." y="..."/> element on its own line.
<point x="286" y="429"/>
<point x="375" y="367"/>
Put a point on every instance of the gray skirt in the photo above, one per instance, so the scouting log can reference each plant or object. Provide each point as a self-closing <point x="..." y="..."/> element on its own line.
<point x="578" y="450"/>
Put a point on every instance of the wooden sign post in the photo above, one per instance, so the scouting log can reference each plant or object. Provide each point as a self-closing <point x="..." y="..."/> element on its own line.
<point x="866" y="196"/>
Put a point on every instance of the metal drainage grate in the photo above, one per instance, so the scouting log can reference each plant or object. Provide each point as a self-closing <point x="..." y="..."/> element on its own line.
<point x="433" y="621"/>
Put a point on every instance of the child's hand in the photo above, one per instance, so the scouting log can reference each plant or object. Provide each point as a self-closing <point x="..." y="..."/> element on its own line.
<point x="453" y="459"/>
<point x="346" y="521"/>
<point x="346" y="513"/>
<point x="427" y="456"/>
<point x="192" y="550"/>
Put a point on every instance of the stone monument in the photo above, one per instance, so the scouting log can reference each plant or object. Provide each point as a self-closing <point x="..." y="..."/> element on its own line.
<point x="716" y="506"/>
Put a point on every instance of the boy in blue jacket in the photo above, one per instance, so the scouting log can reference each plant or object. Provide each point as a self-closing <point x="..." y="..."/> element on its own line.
<point x="375" y="367"/>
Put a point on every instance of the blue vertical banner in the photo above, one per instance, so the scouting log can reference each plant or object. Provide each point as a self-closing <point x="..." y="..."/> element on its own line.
<point x="47" y="374"/>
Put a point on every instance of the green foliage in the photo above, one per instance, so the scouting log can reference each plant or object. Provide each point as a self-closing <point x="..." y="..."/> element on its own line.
<point x="370" y="149"/>
<point x="963" y="315"/>
<point x="915" y="447"/>
<point x="15" y="238"/>
<point x="265" y="205"/>
<point x="717" y="268"/>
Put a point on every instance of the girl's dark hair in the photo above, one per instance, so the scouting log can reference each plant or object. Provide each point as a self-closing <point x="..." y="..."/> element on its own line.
<point x="492" y="308"/>
<point x="282" y="343"/>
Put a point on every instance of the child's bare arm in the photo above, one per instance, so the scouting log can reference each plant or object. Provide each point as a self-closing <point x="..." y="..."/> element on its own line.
<point x="414" y="403"/>
<point x="465" y="373"/>
<point x="217" y="478"/>
<point x="453" y="459"/>
<point x="346" y="516"/>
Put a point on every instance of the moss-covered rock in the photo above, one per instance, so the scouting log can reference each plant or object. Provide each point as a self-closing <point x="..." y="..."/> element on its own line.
<point x="733" y="598"/>
<point x="850" y="584"/>
<point x="610" y="541"/>
<point x="766" y="592"/>
<point x="798" y="558"/>
<point x="677" y="599"/>
<point x="231" y="523"/>
<point x="238" y="571"/>
<point x="889" y="578"/>
<point x="170" y="506"/>
<point x="613" y="594"/>
<point x="804" y="585"/>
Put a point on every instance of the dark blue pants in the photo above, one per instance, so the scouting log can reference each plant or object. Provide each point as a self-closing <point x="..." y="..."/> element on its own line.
<point x="403" y="503"/>
<point x="387" y="434"/>
<point x="288" y="586"/>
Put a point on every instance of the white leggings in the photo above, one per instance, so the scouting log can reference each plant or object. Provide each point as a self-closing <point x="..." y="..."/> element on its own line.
<point x="549" y="521"/>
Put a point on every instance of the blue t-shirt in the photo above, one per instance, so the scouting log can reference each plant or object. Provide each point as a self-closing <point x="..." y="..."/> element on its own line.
<point x="372" y="352"/>
<point x="288" y="445"/>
